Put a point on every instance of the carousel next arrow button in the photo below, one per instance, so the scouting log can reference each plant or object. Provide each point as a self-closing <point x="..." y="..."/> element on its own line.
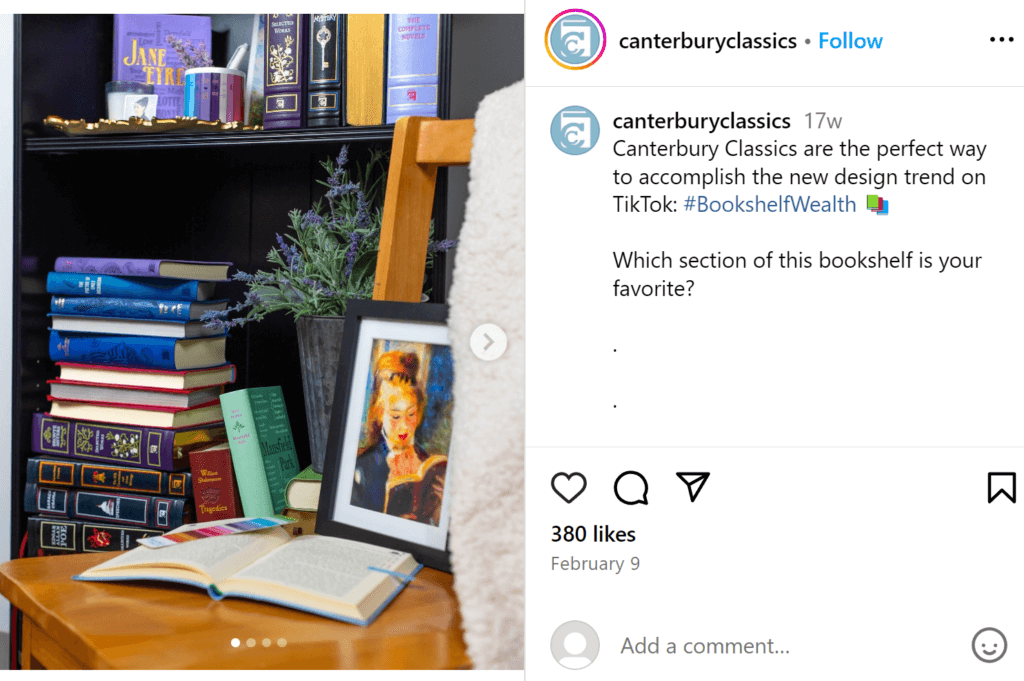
<point x="488" y="342"/>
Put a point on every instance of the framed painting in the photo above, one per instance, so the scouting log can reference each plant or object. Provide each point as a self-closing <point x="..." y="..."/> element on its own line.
<point x="386" y="466"/>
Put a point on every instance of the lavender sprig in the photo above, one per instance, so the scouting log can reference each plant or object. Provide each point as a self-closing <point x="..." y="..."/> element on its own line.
<point x="328" y="257"/>
<point x="191" y="57"/>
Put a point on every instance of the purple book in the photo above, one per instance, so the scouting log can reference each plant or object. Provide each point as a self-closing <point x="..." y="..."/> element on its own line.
<point x="154" y="448"/>
<point x="412" y="66"/>
<point x="142" y="267"/>
<point x="142" y="54"/>
<point x="285" y="71"/>
<point x="214" y="97"/>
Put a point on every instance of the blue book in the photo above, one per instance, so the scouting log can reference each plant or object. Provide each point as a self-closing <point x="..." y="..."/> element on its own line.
<point x="143" y="352"/>
<point x="134" y="308"/>
<point x="412" y="78"/>
<point x="107" y="285"/>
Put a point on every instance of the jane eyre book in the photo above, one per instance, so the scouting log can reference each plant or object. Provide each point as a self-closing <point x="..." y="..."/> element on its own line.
<point x="143" y="55"/>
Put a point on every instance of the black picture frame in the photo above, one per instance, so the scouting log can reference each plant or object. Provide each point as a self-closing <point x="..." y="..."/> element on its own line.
<point x="326" y="524"/>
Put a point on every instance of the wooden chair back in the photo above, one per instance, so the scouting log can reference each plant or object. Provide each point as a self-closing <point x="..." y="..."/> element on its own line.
<point x="421" y="145"/>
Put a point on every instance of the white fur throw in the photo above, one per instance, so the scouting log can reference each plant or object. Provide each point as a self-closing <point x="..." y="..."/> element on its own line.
<point x="487" y="519"/>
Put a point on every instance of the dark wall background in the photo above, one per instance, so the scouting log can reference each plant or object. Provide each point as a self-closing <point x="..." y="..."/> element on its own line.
<point x="487" y="55"/>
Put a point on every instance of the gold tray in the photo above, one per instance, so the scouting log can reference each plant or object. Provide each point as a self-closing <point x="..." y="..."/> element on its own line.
<point x="136" y="125"/>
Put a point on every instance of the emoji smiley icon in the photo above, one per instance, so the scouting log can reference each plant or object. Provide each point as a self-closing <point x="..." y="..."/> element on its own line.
<point x="989" y="645"/>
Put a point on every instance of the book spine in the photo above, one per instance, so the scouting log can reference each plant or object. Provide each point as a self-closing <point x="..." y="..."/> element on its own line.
<point x="122" y="308"/>
<point x="284" y="74"/>
<point x="216" y="494"/>
<point x="119" y="266"/>
<point x="189" y="101"/>
<point x="143" y="352"/>
<point x="254" y="96"/>
<point x="215" y="103"/>
<point x="119" y="71"/>
<point x="232" y="109"/>
<point x="204" y="82"/>
<point x="59" y="473"/>
<point x="413" y="52"/>
<point x="97" y="285"/>
<point x="323" y="99"/>
<point x="127" y="509"/>
<point x="246" y="459"/>
<point x="365" y="51"/>
<point x="152" y="448"/>
<point x="53" y="537"/>
<point x="277" y="448"/>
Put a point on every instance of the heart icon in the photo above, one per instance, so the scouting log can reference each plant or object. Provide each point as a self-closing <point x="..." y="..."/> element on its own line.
<point x="567" y="486"/>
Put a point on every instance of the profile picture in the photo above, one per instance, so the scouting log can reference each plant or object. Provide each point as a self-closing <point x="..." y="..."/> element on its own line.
<point x="575" y="130"/>
<point x="402" y="460"/>
<point x="575" y="39"/>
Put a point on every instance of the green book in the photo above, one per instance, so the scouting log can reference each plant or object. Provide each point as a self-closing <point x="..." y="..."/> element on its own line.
<point x="303" y="491"/>
<point x="262" y="448"/>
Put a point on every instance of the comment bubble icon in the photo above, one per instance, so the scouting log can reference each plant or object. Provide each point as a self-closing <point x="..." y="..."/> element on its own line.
<point x="631" y="488"/>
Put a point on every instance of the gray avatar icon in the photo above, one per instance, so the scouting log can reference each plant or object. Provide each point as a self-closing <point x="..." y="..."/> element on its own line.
<point x="575" y="645"/>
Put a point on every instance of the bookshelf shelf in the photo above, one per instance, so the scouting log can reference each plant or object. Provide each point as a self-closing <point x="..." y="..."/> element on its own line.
<point x="206" y="140"/>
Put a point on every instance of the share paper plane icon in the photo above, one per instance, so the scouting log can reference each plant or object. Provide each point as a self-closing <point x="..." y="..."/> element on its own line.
<point x="694" y="483"/>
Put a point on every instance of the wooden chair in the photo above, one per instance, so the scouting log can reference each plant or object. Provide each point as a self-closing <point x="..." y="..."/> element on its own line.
<point x="421" y="145"/>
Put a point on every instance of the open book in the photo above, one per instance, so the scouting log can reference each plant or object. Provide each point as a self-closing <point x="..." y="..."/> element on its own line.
<point x="418" y="496"/>
<point x="337" y="578"/>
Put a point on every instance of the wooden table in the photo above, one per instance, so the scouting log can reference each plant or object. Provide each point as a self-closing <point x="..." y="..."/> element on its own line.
<point x="140" y="625"/>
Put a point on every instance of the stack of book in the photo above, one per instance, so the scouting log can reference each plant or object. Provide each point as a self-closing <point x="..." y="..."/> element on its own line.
<point x="138" y="390"/>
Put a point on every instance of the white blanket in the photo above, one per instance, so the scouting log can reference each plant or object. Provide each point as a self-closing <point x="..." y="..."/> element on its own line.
<point x="487" y="521"/>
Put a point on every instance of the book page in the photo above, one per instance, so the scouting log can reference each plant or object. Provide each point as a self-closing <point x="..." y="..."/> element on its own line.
<point x="216" y="557"/>
<point x="325" y="566"/>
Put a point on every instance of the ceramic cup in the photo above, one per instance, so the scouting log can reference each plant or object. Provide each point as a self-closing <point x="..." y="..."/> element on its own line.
<point x="126" y="99"/>
<point x="214" y="94"/>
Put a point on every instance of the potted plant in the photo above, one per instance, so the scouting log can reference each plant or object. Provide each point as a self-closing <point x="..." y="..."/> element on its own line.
<point x="328" y="257"/>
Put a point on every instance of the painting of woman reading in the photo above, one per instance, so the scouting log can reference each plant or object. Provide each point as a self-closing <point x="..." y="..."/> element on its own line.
<point x="403" y="449"/>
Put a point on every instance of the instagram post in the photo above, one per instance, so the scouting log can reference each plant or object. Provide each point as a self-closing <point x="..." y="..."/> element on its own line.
<point x="266" y="328"/>
<point x="523" y="339"/>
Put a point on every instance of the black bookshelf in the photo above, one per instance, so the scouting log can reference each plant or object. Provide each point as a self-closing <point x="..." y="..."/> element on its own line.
<point x="206" y="140"/>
